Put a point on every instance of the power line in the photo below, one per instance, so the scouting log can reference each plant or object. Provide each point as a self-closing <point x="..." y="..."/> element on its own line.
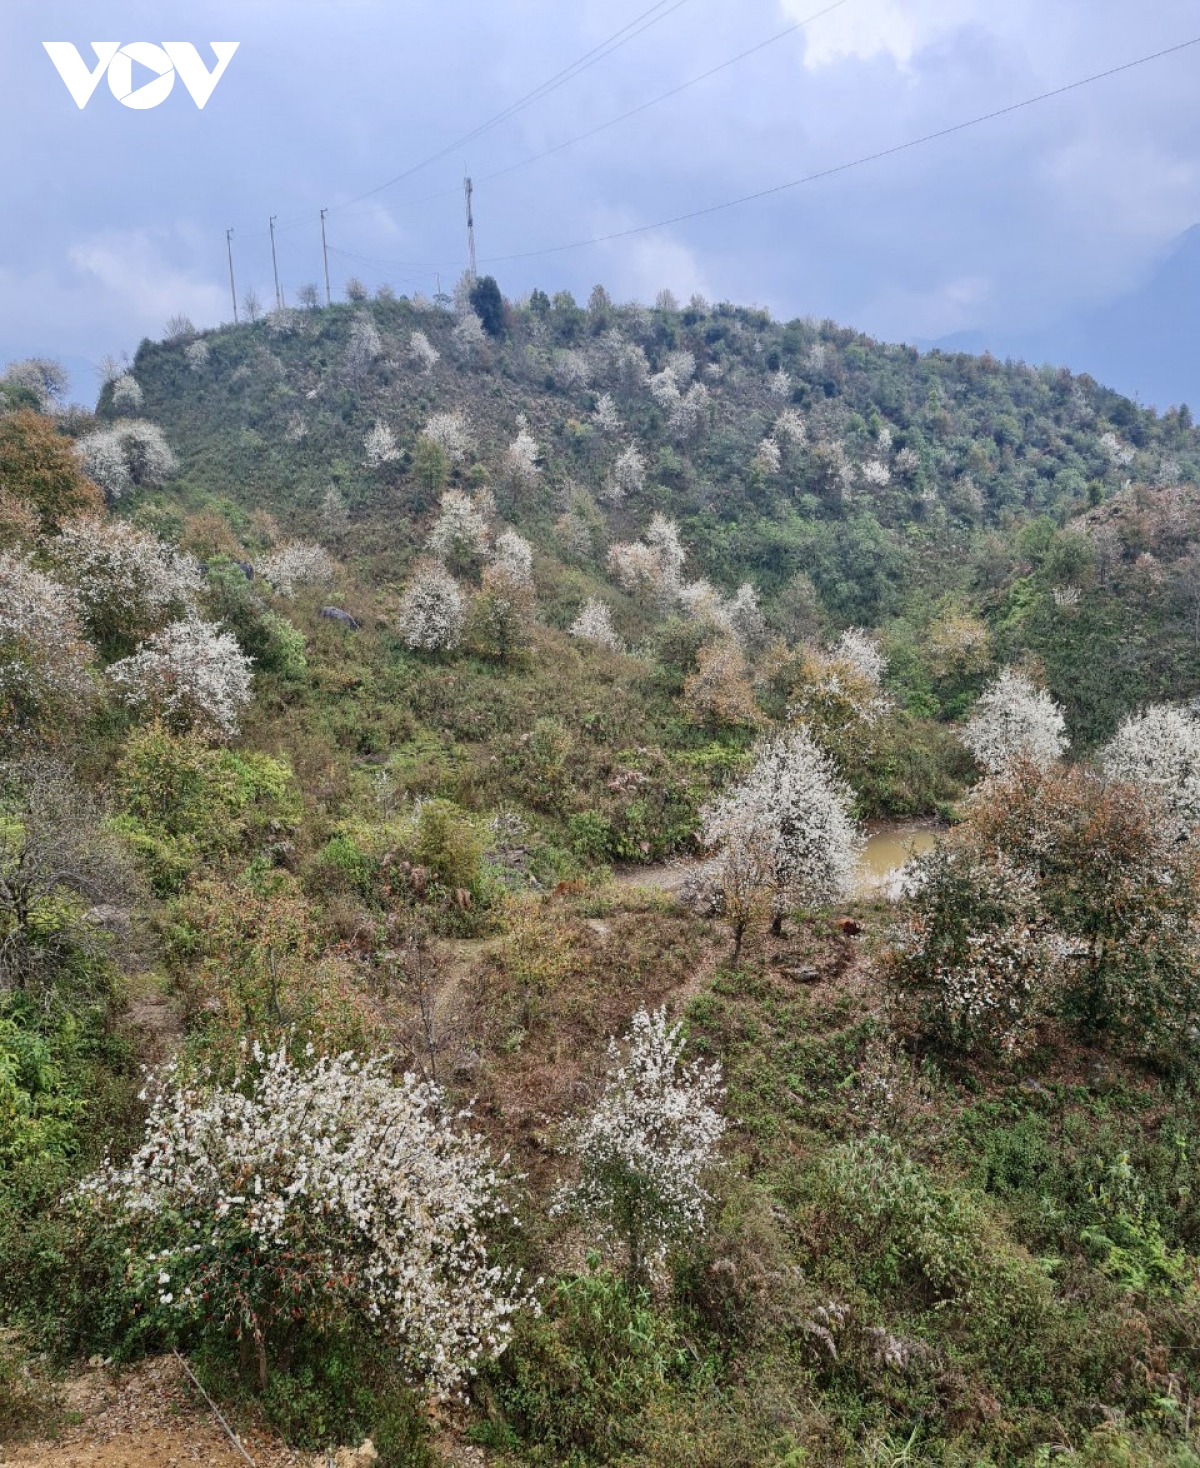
<point x="663" y="96"/>
<point x="589" y="59"/>
<point x="659" y="11"/>
<point x="632" y="112"/>
<point x="795" y="183"/>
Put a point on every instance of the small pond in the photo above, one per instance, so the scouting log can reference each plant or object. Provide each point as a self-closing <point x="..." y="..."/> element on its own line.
<point x="888" y="848"/>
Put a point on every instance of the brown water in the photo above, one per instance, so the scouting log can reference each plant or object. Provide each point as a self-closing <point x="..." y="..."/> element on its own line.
<point x="888" y="848"/>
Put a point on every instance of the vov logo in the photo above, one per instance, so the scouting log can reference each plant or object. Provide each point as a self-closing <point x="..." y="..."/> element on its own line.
<point x="119" y="61"/>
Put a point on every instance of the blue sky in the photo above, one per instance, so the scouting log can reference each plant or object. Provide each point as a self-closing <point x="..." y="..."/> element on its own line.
<point x="117" y="217"/>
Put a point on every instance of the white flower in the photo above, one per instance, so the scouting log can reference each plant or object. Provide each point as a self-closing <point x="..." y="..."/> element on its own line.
<point x="191" y="675"/>
<point x="462" y="527"/>
<point x="451" y="433"/>
<point x="379" y="446"/>
<point x="130" y="454"/>
<point x="367" y="1197"/>
<point x="128" y="581"/>
<point x="1015" y="720"/>
<point x="594" y="624"/>
<point x="655" y="562"/>
<point x="787" y="828"/>
<point x="521" y="459"/>
<point x="433" y="609"/>
<point x="45" y="662"/>
<point x="423" y="352"/>
<point x="1159" y="749"/>
<point x="647" y="1143"/>
<point x="298" y="563"/>
<point x="862" y="652"/>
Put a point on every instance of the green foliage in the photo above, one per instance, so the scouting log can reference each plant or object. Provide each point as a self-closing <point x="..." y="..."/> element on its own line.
<point x="39" y="1108"/>
<point x="183" y="802"/>
<point x="343" y="866"/>
<point x="489" y="305"/>
<point x="262" y="633"/>
<point x="448" y="845"/>
<point x="573" y="1385"/>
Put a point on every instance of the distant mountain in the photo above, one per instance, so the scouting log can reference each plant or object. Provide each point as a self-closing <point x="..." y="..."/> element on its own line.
<point x="1145" y="344"/>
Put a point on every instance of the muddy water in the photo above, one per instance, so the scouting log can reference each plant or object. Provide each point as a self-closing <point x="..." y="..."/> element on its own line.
<point x="887" y="849"/>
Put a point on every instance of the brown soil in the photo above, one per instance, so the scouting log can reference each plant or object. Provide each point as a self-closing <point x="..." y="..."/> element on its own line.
<point x="147" y="1417"/>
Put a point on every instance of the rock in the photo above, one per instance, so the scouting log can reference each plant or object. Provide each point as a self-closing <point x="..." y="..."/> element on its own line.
<point x="349" y="1457"/>
<point x="804" y="975"/>
<point x="335" y="614"/>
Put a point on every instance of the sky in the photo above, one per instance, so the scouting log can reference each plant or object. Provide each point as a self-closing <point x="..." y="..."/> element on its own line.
<point x="1010" y="229"/>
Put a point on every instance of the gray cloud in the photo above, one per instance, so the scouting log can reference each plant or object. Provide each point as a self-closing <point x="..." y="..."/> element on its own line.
<point x="1063" y="207"/>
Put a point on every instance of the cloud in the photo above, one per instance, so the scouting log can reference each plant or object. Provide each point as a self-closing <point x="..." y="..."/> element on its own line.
<point x="950" y="306"/>
<point x="101" y="295"/>
<point x="638" y="269"/>
<point x="130" y="267"/>
<point x="862" y="30"/>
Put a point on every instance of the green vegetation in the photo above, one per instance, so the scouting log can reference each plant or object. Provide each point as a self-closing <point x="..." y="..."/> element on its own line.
<point x="955" y="1218"/>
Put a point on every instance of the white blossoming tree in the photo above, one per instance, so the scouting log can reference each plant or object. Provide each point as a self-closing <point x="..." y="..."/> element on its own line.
<point x="746" y="620"/>
<point x="646" y="1146"/>
<point x="1015" y="720"/>
<point x="196" y="355"/>
<point x="784" y="836"/>
<point x="191" y="675"/>
<point x="971" y="959"/>
<point x="606" y="417"/>
<point x="298" y="563"/>
<point x="130" y="454"/>
<point x="521" y="467"/>
<point x="767" y="458"/>
<point x="127" y="394"/>
<point x="315" y="1192"/>
<point x="628" y="475"/>
<point x="363" y="348"/>
<point x="514" y="555"/>
<point x="128" y="582"/>
<point x="469" y="334"/>
<point x="653" y="564"/>
<point x="594" y="624"/>
<point x="432" y="610"/>
<point x="423" y="352"/>
<point x="1159" y="750"/>
<point x="45" y="661"/>
<point x="863" y="653"/>
<point x="380" y="447"/>
<point x="42" y="376"/>
<point x="451" y="433"/>
<point x="461" y="532"/>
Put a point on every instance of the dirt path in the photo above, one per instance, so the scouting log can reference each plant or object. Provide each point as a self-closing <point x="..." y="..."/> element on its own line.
<point x="662" y="876"/>
<point x="147" y="1417"/>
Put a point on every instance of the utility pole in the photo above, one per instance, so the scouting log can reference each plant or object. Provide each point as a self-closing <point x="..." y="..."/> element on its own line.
<point x="325" y="252"/>
<point x="467" y="192"/>
<point x="232" y="287"/>
<point x="275" y="267"/>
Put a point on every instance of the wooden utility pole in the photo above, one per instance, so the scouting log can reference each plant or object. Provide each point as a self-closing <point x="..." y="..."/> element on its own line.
<point x="467" y="192"/>
<point x="275" y="267"/>
<point x="232" y="287"/>
<point x="325" y="252"/>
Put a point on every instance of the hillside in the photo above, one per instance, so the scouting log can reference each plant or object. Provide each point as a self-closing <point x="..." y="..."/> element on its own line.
<point x="900" y="485"/>
<point x="410" y="713"/>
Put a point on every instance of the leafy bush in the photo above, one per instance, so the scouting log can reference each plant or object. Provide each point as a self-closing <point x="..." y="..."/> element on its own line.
<point x="183" y="803"/>
<point x="574" y="1383"/>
